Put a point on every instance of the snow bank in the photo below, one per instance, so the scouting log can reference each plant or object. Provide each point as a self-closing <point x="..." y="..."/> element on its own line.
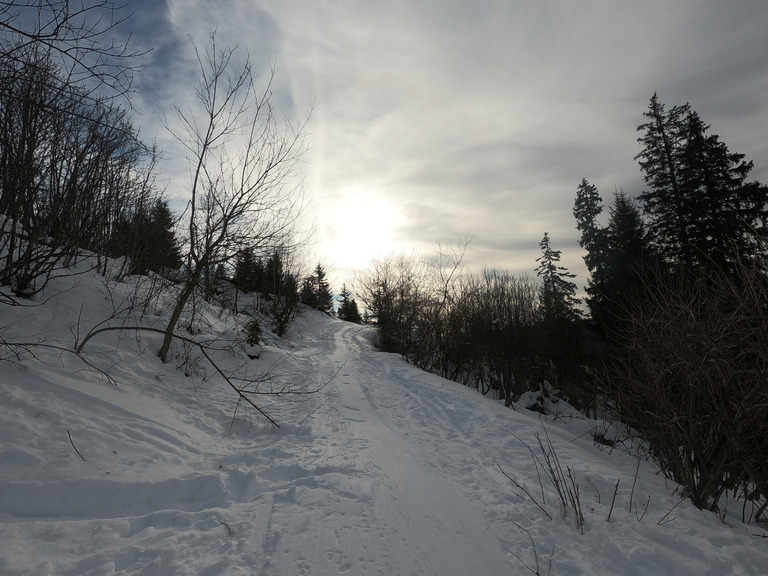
<point x="385" y="470"/>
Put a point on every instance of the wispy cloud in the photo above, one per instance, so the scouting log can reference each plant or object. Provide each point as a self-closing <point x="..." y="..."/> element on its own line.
<point x="478" y="119"/>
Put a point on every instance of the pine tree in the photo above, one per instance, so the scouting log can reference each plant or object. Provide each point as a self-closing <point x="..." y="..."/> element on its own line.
<point x="557" y="294"/>
<point x="324" y="294"/>
<point x="700" y="209"/>
<point x="308" y="293"/>
<point x="586" y="210"/>
<point x="246" y="271"/>
<point x="348" y="309"/>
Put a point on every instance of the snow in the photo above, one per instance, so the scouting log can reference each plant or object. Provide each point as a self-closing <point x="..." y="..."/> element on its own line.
<point x="384" y="470"/>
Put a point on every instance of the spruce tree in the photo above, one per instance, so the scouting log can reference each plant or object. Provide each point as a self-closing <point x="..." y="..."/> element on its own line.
<point x="308" y="293"/>
<point x="586" y="210"/>
<point x="246" y="271"/>
<point x="271" y="282"/>
<point x="615" y="254"/>
<point x="148" y="240"/>
<point x="324" y="294"/>
<point x="348" y="309"/>
<point x="316" y="292"/>
<point x="163" y="251"/>
<point x="557" y="294"/>
<point x="619" y="278"/>
<point x="700" y="209"/>
<point x="727" y="215"/>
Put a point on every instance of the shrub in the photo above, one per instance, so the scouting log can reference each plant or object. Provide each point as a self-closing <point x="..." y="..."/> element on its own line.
<point x="253" y="332"/>
<point x="691" y="376"/>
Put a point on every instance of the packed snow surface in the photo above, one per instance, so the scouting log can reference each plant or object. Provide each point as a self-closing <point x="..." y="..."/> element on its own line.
<point x="378" y="469"/>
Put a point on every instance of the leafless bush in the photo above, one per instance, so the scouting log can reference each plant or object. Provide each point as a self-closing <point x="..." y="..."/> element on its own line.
<point x="562" y="480"/>
<point x="395" y="292"/>
<point x="691" y="377"/>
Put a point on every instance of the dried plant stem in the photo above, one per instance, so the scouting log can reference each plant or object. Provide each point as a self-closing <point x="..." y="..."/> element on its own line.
<point x="75" y="447"/>
<point x="613" y="500"/>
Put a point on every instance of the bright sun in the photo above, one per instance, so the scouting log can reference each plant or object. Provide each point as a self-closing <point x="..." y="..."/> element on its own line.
<point x="361" y="226"/>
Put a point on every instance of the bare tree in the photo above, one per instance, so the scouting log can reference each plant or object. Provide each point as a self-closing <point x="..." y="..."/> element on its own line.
<point x="242" y="160"/>
<point x="82" y="33"/>
<point x="68" y="165"/>
<point x="394" y="291"/>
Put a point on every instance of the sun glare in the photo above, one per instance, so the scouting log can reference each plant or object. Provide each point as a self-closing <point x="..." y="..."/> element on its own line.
<point x="361" y="226"/>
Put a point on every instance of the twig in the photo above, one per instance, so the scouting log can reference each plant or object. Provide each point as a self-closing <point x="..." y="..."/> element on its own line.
<point x="596" y="490"/>
<point x="664" y="518"/>
<point x="613" y="500"/>
<point x="647" y="502"/>
<point x="229" y="530"/>
<point x="535" y="554"/>
<point x="526" y="491"/>
<point x="75" y="447"/>
<point x="575" y="498"/>
<point x="241" y="392"/>
<point x="632" y="492"/>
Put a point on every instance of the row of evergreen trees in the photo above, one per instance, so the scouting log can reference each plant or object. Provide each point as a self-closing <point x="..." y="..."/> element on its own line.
<point x="697" y="215"/>
<point x="678" y="302"/>
<point x="268" y="277"/>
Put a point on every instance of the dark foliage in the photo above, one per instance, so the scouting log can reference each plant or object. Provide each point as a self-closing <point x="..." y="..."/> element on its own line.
<point x="692" y="377"/>
<point x="348" y="310"/>
<point x="148" y="240"/>
<point x="316" y="292"/>
<point x="701" y="210"/>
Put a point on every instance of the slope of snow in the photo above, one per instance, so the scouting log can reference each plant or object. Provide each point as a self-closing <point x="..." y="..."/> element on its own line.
<point x="384" y="470"/>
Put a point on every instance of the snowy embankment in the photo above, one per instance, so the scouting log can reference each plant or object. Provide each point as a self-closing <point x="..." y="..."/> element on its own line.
<point x="385" y="470"/>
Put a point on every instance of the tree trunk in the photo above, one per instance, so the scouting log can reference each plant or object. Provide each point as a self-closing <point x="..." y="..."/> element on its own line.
<point x="189" y="288"/>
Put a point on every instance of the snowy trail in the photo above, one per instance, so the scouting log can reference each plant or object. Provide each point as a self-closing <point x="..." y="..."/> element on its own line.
<point x="386" y="471"/>
<point x="424" y="525"/>
<point x="375" y="499"/>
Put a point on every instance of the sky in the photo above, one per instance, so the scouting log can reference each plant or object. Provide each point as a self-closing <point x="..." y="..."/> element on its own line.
<point x="434" y="120"/>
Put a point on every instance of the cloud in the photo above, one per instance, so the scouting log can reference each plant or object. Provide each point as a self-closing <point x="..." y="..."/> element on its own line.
<point x="479" y="119"/>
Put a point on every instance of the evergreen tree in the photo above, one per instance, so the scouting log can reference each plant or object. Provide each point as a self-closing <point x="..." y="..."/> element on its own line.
<point x="557" y="294"/>
<point x="284" y="301"/>
<point x="664" y="200"/>
<point x="271" y="281"/>
<point x="148" y="240"/>
<point x="616" y="255"/>
<point x="324" y="294"/>
<point x="316" y="292"/>
<point x="308" y="293"/>
<point x="618" y="279"/>
<point x="163" y="251"/>
<point x="726" y="213"/>
<point x="586" y="210"/>
<point x="348" y="309"/>
<point x="700" y="209"/>
<point x="246" y="271"/>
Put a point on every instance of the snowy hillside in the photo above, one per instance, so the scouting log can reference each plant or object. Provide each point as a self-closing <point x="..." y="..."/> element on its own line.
<point x="384" y="470"/>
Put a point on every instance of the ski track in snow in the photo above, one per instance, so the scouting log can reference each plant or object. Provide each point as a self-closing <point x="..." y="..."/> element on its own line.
<point x="386" y="470"/>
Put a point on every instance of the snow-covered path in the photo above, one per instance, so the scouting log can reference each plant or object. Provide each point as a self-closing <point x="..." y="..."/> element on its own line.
<point x="382" y="432"/>
<point x="385" y="471"/>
